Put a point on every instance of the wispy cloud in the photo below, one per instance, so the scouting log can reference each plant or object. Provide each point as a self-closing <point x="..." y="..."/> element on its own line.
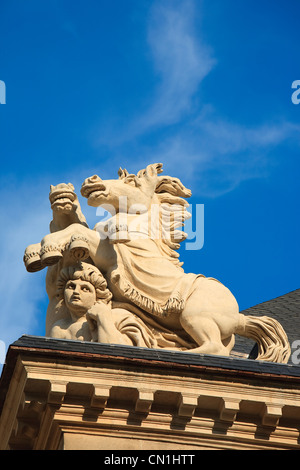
<point x="180" y="58"/>
<point x="180" y="62"/>
<point x="23" y="220"/>
<point x="217" y="154"/>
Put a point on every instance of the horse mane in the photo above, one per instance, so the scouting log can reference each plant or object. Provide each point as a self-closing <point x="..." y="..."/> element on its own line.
<point x="170" y="193"/>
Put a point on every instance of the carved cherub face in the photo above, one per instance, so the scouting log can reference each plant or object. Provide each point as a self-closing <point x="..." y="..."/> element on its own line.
<point x="80" y="287"/>
<point x="79" y="296"/>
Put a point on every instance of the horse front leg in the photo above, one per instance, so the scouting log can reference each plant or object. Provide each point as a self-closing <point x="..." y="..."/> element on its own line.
<point x="74" y="238"/>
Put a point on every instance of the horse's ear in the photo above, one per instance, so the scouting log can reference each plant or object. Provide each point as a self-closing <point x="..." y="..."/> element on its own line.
<point x="122" y="173"/>
<point x="154" y="169"/>
<point x="146" y="179"/>
<point x="151" y="170"/>
<point x="159" y="168"/>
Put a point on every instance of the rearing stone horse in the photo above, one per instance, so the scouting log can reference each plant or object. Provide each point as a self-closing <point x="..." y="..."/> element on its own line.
<point x="136" y="252"/>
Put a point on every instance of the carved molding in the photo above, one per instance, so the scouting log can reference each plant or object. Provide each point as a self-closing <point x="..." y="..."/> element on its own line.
<point x="48" y="400"/>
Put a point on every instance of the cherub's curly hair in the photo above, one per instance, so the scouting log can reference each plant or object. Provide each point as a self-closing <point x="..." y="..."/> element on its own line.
<point x="85" y="272"/>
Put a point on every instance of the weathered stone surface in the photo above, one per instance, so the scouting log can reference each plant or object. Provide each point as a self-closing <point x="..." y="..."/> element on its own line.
<point x="122" y="282"/>
<point x="64" y="394"/>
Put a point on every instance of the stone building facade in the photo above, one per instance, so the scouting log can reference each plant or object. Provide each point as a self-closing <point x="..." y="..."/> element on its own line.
<point x="63" y="394"/>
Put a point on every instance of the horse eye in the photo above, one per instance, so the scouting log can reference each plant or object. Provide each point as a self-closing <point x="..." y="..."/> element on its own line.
<point x="130" y="179"/>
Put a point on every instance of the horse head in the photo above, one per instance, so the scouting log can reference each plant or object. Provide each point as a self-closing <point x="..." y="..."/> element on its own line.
<point x="135" y="194"/>
<point x="125" y="192"/>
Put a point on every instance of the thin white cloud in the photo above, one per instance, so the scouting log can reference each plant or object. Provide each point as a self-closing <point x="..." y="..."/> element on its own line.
<point x="180" y="62"/>
<point x="181" y="59"/>
<point x="219" y="153"/>
<point x="24" y="218"/>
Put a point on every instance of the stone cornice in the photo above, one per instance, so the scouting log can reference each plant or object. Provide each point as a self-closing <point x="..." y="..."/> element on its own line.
<point x="52" y="389"/>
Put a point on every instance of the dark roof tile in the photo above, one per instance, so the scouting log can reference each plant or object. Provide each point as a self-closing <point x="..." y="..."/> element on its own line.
<point x="285" y="309"/>
<point x="238" y="365"/>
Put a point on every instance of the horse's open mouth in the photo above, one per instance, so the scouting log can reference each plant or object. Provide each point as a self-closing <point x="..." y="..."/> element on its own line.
<point x="93" y="190"/>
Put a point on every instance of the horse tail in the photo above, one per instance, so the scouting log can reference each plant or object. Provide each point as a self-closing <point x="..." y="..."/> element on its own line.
<point x="271" y="339"/>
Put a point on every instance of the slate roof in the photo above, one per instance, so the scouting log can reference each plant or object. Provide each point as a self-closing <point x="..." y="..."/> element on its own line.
<point x="103" y="354"/>
<point x="285" y="309"/>
<point x="128" y="354"/>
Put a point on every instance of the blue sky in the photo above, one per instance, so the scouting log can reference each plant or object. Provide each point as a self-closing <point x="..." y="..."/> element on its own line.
<point x="202" y="86"/>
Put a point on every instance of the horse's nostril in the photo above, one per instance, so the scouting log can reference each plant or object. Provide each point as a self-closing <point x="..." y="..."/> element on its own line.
<point x="91" y="184"/>
<point x="94" y="179"/>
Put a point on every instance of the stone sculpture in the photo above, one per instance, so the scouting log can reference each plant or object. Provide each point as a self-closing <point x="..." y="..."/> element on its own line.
<point x="150" y="301"/>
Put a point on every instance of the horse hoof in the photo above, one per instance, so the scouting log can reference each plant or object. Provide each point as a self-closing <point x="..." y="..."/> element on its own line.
<point x="32" y="259"/>
<point x="79" y="248"/>
<point x="50" y="255"/>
